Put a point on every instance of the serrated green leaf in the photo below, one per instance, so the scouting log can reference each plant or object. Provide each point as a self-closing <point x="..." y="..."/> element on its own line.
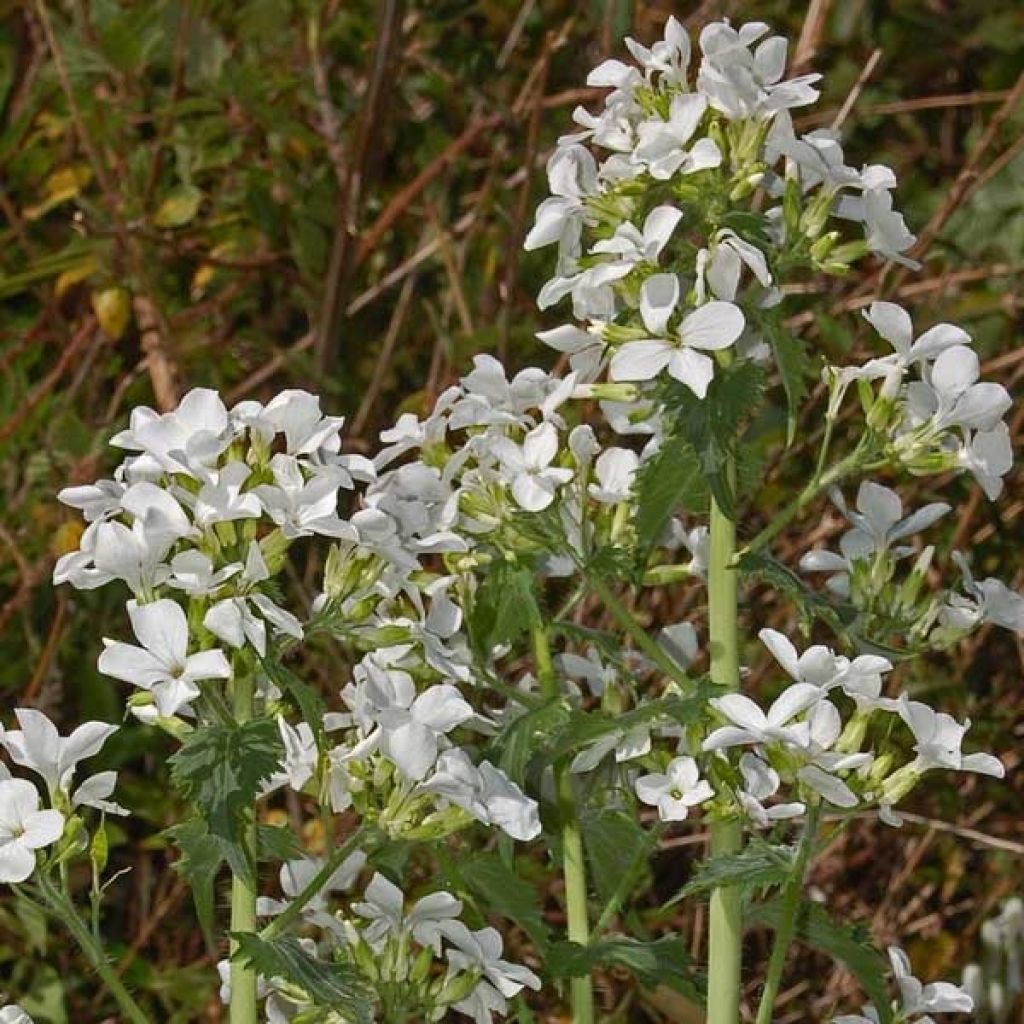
<point x="850" y="946"/>
<point x="794" y="369"/>
<point x="200" y="862"/>
<point x="671" y="480"/>
<point x="527" y="735"/>
<point x="503" y="607"/>
<point x="308" y="701"/>
<point x="612" y="840"/>
<point x="491" y="880"/>
<point x="663" y="961"/>
<point x="330" y="985"/>
<point x="221" y="768"/>
<point x="809" y="603"/>
<point x="758" y="866"/>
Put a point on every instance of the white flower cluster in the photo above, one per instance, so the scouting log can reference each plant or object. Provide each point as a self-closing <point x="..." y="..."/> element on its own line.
<point x="654" y="241"/>
<point x="419" y="958"/>
<point x="26" y="826"/>
<point x="996" y="983"/>
<point x="944" y="417"/>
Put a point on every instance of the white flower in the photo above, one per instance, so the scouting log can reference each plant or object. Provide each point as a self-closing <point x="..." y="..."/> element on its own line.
<point x="952" y="396"/>
<point x="40" y="748"/>
<point x="481" y="951"/>
<point x="384" y="907"/>
<point x="938" y="738"/>
<point x="751" y="725"/>
<point x="634" y="246"/>
<point x="96" y="791"/>
<point x="572" y="177"/>
<point x="222" y="500"/>
<point x="893" y="323"/>
<point x="761" y="781"/>
<point x="988" y="456"/>
<point x="300" y="752"/>
<point x="711" y="327"/>
<point x="185" y="440"/>
<point x="615" y="469"/>
<point x="113" y="551"/>
<point x="162" y="664"/>
<point x="534" y="480"/>
<point x="297" y="415"/>
<point x="192" y="571"/>
<point x="627" y="744"/>
<point x="675" y="791"/>
<point x="668" y="57"/>
<point x="24" y="828"/>
<point x="939" y="997"/>
<point x="662" y="145"/>
<point x="727" y="260"/>
<point x="14" y="1014"/>
<point x="988" y="600"/>
<point x="302" y="507"/>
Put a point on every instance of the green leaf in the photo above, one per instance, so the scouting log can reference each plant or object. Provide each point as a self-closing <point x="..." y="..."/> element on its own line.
<point x="613" y="840"/>
<point x="503" y="607"/>
<point x="330" y="985"/>
<point x="201" y="858"/>
<point x="179" y="207"/>
<point x="809" y="603"/>
<point x="663" y="961"/>
<point x="711" y="426"/>
<point x="308" y="701"/>
<point x="758" y="866"/>
<point x="850" y="946"/>
<point x="527" y="737"/>
<point x="496" y="884"/>
<point x="220" y="768"/>
<point x="671" y="480"/>
<point x="794" y="368"/>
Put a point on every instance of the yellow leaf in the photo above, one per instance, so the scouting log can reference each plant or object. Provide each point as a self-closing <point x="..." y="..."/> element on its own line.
<point x="77" y="273"/>
<point x="113" y="309"/>
<point x="60" y="186"/>
<point x="179" y="207"/>
<point x="932" y="957"/>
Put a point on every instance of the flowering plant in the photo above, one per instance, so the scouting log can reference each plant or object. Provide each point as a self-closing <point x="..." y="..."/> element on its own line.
<point x="474" y="711"/>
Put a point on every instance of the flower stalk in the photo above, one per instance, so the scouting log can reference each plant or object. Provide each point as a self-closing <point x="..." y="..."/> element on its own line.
<point x="574" y="870"/>
<point x="725" y="952"/>
<point x="787" y="926"/>
<point x="243" y="893"/>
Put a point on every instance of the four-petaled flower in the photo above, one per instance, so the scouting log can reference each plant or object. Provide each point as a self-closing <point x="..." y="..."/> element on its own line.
<point x="24" y="828"/>
<point x="676" y="790"/>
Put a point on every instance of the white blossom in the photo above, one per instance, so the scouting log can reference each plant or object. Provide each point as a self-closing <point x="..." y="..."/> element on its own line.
<point x="676" y="790"/>
<point x="24" y="828"/>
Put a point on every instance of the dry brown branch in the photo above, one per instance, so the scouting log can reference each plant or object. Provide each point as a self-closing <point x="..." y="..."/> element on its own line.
<point x="812" y="33"/>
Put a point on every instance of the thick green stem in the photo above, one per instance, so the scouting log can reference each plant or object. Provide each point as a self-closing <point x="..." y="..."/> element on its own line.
<point x="787" y="926"/>
<point x="725" y="952"/>
<point x="574" y="868"/>
<point x="243" y="1008"/>
<point x="62" y="909"/>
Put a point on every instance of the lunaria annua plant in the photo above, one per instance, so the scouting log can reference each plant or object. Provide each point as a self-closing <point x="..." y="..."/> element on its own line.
<point x="475" y="723"/>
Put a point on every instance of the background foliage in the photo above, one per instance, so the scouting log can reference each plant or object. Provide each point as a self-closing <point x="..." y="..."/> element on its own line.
<point x="264" y="194"/>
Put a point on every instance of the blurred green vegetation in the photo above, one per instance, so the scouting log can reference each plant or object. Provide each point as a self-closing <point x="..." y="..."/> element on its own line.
<point x="261" y="194"/>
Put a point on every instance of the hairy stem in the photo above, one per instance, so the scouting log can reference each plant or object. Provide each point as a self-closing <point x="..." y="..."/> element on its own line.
<point x="243" y="1009"/>
<point x="726" y="925"/>
<point x="787" y="926"/>
<point x="574" y="869"/>
<point x="64" y="911"/>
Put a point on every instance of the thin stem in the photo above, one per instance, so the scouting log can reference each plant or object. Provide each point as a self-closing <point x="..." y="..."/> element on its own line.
<point x="725" y="953"/>
<point x="292" y="912"/>
<point x="63" y="909"/>
<point x="574" y="869"/>
<point x="787" y="926"/>
<point x="637" y="633"/>
<point x="243" y="1009"/>
<point x="818" y="484"/>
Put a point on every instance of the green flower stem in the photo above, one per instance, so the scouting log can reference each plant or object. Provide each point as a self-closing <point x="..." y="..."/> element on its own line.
<point x="292" y="912"/>
<point x="574" y="869"/>
<point x="64" y="911"/>
<point x="725" y="953"/>
<point x="787" y="926"/>
<point x="243" y="1009"/>
<point x="637" y="633"/>
<point x="817" y="485"/>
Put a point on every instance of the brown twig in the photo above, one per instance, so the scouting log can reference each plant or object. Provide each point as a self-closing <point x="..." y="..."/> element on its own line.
<point x="341" y="270"/>
<point x="812" y="33"/>
<point x="858" y="87"/>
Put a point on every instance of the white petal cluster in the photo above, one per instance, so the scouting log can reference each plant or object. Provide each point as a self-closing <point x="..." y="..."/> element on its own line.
<point x="647" y="203"/>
